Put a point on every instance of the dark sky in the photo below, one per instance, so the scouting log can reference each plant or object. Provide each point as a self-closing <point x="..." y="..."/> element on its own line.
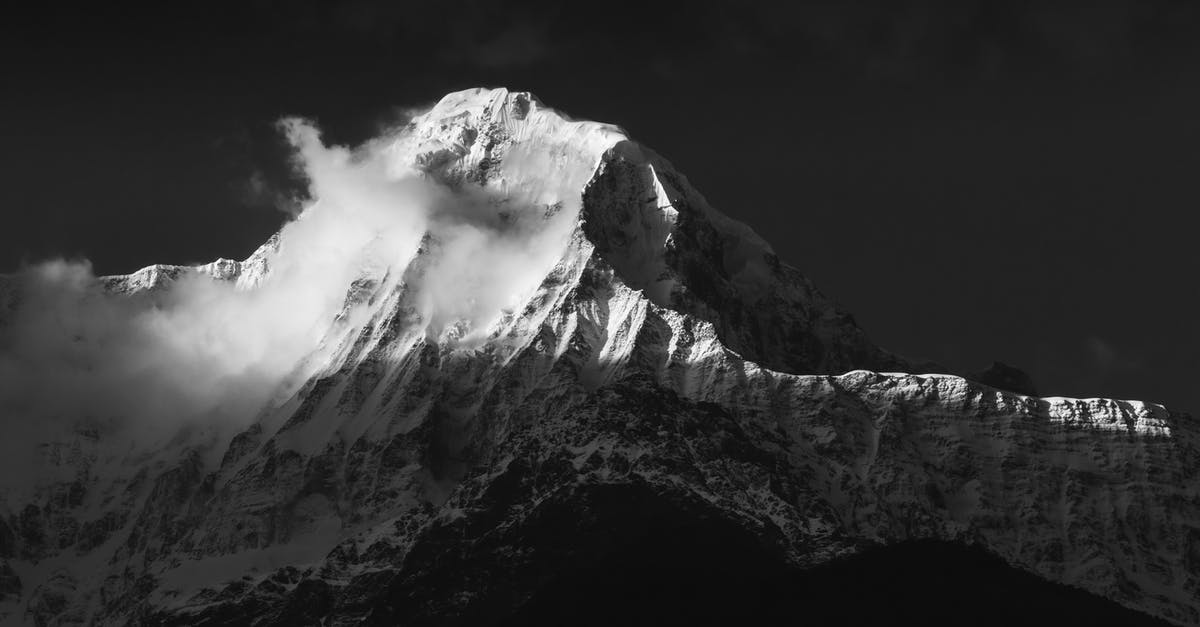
<point x="975" y="180"/>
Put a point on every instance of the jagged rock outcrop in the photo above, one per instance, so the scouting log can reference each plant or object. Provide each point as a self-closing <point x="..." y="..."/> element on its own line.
<point x="668" y="367"/>
<point x="1005" y="377"/>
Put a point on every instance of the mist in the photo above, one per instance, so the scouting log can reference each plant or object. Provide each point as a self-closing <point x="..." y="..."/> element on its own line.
<point x="203" y="350"/>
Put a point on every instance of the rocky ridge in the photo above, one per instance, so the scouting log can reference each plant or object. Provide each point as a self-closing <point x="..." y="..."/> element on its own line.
<point x="668" y="367"/>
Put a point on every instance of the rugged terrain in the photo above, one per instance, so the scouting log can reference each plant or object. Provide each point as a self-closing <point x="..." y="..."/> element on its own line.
<point x="665" y="371"/>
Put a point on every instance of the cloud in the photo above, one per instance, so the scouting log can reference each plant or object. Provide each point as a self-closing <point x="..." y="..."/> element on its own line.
<point x="256" y="165"/>
<point x="1105" y="364"/>
<point x="1104" y="360"/>
<point x="210" y="352"/>
<point x="1103" y="355"/>
<point x="256" y="190"/>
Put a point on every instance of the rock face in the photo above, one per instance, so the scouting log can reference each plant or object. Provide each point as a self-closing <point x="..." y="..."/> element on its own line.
<point x="667" y="369"/>
<point x="1005" y="377"/>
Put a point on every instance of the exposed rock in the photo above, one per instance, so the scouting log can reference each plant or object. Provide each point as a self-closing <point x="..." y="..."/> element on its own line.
<point x="10" y="583"/>
<point x="53" y="602"/>
<point x="8" y="541"/>
<point x="1005" y="377"/>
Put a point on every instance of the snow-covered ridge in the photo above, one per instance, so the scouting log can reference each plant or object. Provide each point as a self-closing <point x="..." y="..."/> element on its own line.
<point x="658" y="343"/>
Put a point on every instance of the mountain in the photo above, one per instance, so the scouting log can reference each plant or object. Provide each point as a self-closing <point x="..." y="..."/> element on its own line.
<point x="664" y="415"/>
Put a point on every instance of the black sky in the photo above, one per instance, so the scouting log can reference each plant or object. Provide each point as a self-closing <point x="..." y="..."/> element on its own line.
<point x="974" y="180"/>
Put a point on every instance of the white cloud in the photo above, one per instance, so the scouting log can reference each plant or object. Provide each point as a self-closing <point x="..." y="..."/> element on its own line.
<point x="206" y="350"/>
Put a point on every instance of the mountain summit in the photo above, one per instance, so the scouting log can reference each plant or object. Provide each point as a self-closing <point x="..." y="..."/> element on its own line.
<point x="518" y="345"/>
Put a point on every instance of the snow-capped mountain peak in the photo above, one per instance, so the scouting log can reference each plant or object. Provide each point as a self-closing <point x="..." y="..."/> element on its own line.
<point x="506" y="314"/>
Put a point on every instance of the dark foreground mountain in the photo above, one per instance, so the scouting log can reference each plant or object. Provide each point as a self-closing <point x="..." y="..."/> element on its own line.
<point x="698" y="576"/>
<point x="650" y="434"/>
